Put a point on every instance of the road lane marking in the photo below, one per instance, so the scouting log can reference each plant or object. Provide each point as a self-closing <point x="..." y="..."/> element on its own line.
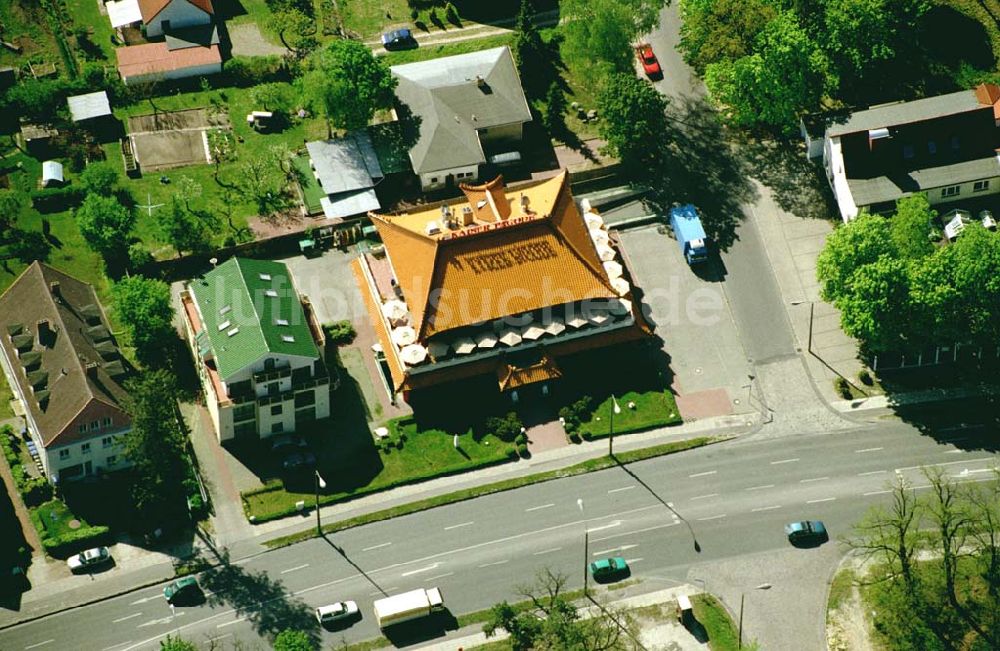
<point x="946" y="463"/>
<point x="162" y="620"/>
<point x="825" y="499"/>
<point x="618" y="490"/>
<point x="108" y="648"/>
<point x="368" y="549"/>
<point x="610" y="525"/>
<point x="632" y="533"/>
<point x="495" y="564"/>
<point x="702" y="474"/>
<point x="867" y="450"/>
<point x="122" y="619"/>
<point x="39" y="644"/>
<point x="712" y="517"/>
<point x="757" y="488"/>
<point x="806" y="481"/>
<point x="146" y="599"/>
<point x="423" y="569"/>
<point x="704" y="497"/>
<point x="872" y="472"/>
<point x="547" y="551"/>
<point x="614" y="549"/>
<point x="439" y="576"/>
<point x="632" y="561"/>
<point x="766" y="508"/>
<point x="956" y="451"/>
<point x="457" y="526"/>
<point x="869" y="494"/>
<point x="292" y="569"/>
<point x="538" y="508"/>
<point x="235" y="621"/>
<point x="775" y="463"/>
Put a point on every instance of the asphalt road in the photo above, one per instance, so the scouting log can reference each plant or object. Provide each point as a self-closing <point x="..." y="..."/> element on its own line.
<point x="732" y="499"/>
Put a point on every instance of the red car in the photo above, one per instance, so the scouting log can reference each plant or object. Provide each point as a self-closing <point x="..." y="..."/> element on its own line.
<point x="644" y="52"/>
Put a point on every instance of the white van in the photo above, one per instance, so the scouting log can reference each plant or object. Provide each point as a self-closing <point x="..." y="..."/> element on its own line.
<point x="336" y="612"/>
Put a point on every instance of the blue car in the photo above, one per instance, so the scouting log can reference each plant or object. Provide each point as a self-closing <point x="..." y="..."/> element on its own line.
<point x="806" y="532"/>
<point x="398" y="39"/>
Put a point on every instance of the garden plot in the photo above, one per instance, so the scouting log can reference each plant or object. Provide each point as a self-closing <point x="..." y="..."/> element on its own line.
<point x="174" y="138"/>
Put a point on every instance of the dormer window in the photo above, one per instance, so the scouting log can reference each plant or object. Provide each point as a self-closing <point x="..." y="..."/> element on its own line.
<point x="931" y="147"/>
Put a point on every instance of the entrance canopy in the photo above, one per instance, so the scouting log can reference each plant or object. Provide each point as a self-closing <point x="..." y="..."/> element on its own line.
<point x="511" y="377"/>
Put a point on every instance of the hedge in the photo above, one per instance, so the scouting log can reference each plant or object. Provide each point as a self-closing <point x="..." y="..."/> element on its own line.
<point x="251" y="71"/>
<point x="57" y="199"/>
<point x="75" y="541"/>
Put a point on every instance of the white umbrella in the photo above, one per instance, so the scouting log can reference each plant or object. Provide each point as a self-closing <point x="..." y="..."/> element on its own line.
<point x="404" y="336"/>
<point x="555" y="326"/>
<point x="533" y="332"/>
<point x="618" y="306"/>
<point x="599" y="316"/>
<point x="620" y="285"/>
<point x="413" y="354"/>
<point x="593" y="220"/>
<point x="486" y="340"/>
<point x="605" y="252"/>
<point x="438" y="349"/>
<point x="510" y="338"/>
<point x="613" y="269"/>
<point x="394" y="310"/>
<point x="576" y="321"/>
<point x="601" y="238"/>
<point x="463" y="346"/>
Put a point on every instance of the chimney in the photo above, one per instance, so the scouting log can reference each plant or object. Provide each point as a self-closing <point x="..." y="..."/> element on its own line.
<point x="91" y="368"/>
<point x="467" y="216"/>
<point x="54" y="288"/>
<point x="525" y="204"/>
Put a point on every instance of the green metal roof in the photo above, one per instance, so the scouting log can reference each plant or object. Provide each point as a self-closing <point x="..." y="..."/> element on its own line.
<point x="250" y="308"/>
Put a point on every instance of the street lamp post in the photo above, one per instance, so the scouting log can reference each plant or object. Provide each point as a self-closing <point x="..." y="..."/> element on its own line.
<point x="319" y="484"/>
<point x="586" y="550"/>
<point x="615" y="409"/>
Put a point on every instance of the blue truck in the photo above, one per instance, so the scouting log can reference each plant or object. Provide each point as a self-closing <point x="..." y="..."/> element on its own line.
<point x="690" y="233"/>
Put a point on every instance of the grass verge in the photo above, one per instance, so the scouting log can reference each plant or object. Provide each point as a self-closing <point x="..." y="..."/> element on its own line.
<point x="652" y="409"/>
<point x="840" y="589"/>
<point x="591" y="465"/>
<point x="722" y="632"/>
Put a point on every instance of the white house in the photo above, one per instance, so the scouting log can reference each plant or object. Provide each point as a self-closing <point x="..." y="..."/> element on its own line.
<point x="945" y="146"/>
<point x="255" y="343"/>
<point x="64" y="367"/>
<point x="160" y="16"/>
<point x="470" y="107"/>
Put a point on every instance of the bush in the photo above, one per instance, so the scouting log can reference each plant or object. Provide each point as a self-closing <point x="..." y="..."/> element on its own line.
<point x="506" y="428"/>
<point x="521" y="439"/>
<point x="843" y="387"/>
<point x="575" y="438"/>
<point x="866" y="377"/>
<point x="75" y="541"/>
<point x="251" y="71"/>
<point x="56" y="199"/>
<point x="522" y="451"/>
<point x="451" y="14"/>
<point x="414" y="14"/>
<point x="35" y="491"/>
<point x="339" y="333"/>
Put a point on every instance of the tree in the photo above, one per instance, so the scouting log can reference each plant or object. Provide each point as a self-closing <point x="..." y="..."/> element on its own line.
<point x="296" y="31"/>
<point x="220" y="144"/>
<point x="185" y="229"/>
<point x="975" y="267"/>
<point x="786" y="74"/>
<point x="27" y="246"/>
<point x="634" y="123"/>
<point x="911" y="227"/>
<point x="527" y="46"/>
<point x="555" y="106"/>
<point x="11" y="204"/>
<point x="157" y="447"/>
<point x="171" y="643"/>
<point x="721" y="30"/>
<point x="861" y="34"/>
<point x="144" y="306"/>
<point x="878" y="310"/>
<point x="552" y="622"/>
<point x="861" y="241"/>
<point x="602" y="31"/>
<point x="275" y="97"/>
<point x="290" y="640"/>
<point x="100" y="178"/>
<point x="106" y="225"/>
<point x="262" y="180"/>
<point x="349" y="84"/>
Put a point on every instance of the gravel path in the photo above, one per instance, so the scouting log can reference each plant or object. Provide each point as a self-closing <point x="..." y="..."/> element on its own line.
<point x="249" y="42"/>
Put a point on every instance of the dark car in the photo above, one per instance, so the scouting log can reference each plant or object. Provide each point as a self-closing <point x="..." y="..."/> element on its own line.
<point x="398" y="39"/>
<point x="807" y="532"/>
<point x="284" y="442"/>
<point x="183" y="590"/>
<point x="299" y="460"/>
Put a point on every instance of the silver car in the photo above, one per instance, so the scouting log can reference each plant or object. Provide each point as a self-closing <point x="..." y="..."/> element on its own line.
<point x="88" y="559"/>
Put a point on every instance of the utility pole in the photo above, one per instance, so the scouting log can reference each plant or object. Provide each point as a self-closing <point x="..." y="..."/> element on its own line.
<point x="615" y="409"/>
<point x="741" y="622"/>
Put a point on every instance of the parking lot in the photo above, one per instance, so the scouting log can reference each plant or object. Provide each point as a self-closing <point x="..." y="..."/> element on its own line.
<point x="692" y="316"/>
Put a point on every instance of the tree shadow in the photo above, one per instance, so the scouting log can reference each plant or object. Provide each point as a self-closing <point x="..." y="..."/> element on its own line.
<point x="263" y="601"/>
<point x="497" y="11"/>
<point x="799" y="186"/>
<point x="699" y="167"/>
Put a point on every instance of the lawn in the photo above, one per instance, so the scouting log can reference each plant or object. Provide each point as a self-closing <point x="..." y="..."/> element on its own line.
<point x="86" y="14"/>
<point x="5" y="397"/>
<point x="312" y="192"/>
<point x="424" y="454"/>
<point x="654" y="408"/>
<point x="24" y="22"/>
<point x="722" y="632"/>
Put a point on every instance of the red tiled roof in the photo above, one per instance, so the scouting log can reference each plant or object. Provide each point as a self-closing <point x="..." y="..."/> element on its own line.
<point x="150" y="8"/>
<point x="152" y="58"/>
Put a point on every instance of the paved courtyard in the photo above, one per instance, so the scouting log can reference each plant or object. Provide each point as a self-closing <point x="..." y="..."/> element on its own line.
<point x="692" y="316"/>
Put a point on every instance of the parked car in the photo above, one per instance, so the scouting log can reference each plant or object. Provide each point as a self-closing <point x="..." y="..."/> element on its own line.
<point x="398" y="39"/>
<point x="89" y="559"/>
<point x="299" y="460"/>
<point x="182" y="590"/>
<point x="806" y="532"/>
<point x="650" y="65"/>
<point x="283" y="442"/>
<point x="607" y="568"/>
<point x="337" y="612"/>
